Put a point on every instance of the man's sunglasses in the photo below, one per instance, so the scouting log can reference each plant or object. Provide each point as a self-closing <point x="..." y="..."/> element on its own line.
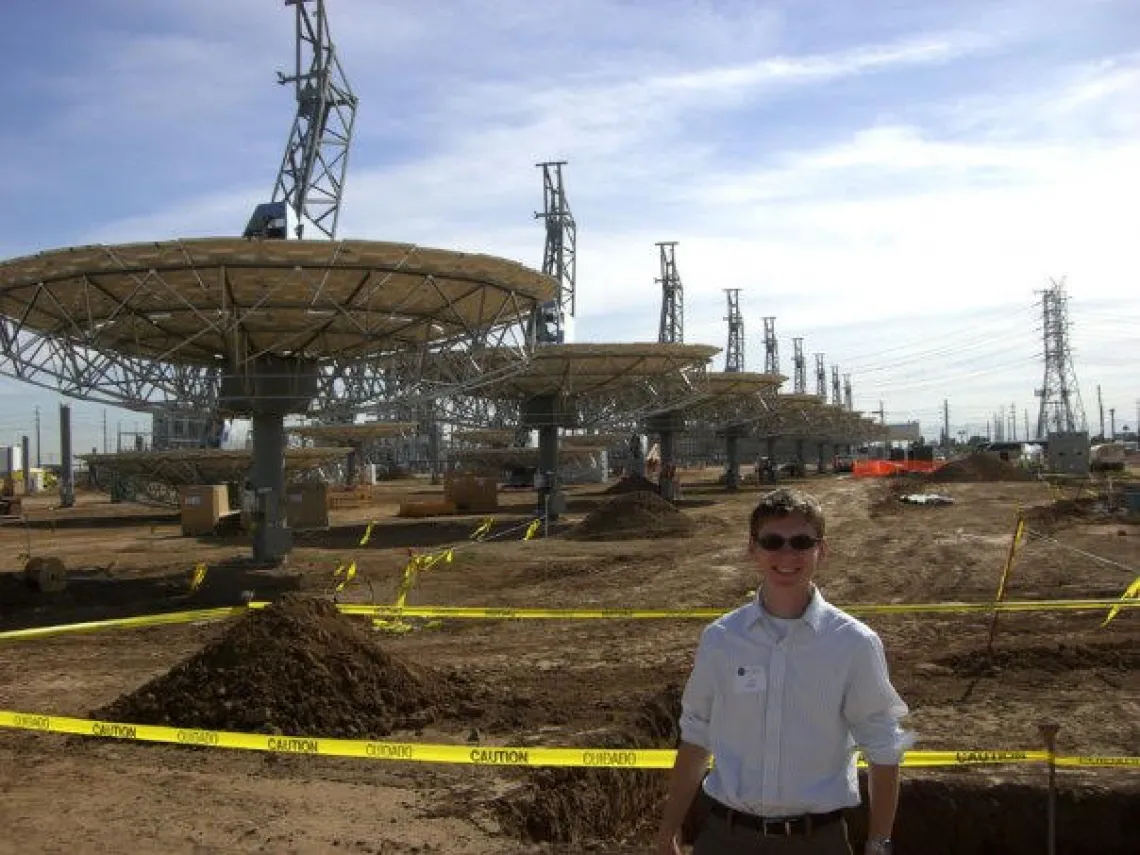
<point x="775" y="542"/>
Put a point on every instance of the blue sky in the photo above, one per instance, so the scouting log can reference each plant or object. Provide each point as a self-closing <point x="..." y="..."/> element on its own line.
<point x="892" y="180"/>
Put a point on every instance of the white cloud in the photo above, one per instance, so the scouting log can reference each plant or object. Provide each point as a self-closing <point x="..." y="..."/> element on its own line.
<point x="874" y="190"/>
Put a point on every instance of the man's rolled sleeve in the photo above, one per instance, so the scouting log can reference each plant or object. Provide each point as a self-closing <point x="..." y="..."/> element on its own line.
<point x="697" y="699"/>
<point x="872" y="707"/>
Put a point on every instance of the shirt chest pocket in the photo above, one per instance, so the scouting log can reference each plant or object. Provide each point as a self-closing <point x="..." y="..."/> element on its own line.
<point x="749" y="680"/>
<point x="742" y="695"/>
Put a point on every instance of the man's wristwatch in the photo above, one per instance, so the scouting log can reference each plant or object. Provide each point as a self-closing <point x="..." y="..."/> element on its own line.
<point x="878" y="846"/>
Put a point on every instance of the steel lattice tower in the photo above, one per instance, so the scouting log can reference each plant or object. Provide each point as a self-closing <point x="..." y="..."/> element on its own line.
<point x="771" y="347"/>
<point x="799" y="379"/>
<point x="559" y="258"/>
<point x="671" y="330"/>
<point x="848" y="401"/>
<point x="1061" y="409"/>
<point x="820" y="377"/>
<point x="734" y="353"/>
<point x="836" y="388"/>
<point x="311" y="178"/>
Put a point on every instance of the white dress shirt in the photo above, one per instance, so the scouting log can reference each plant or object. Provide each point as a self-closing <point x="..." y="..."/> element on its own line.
<point x="782" y="705"/>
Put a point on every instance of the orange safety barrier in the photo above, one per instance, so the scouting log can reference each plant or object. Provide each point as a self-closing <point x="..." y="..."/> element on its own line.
<point x="889" y="468"/>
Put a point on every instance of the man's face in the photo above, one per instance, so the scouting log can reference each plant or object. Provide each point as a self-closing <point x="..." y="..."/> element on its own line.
<point x="787" y="567"/>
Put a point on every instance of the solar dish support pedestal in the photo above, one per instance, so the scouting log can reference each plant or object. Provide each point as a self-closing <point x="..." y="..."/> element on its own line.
<point x="770" y="442"/>
<point x="267" y="388"/>
<point x="546" y="414"/>
<point x="66" y="461"/>
<point x="27" y="458"/>
<point x="667" y="425"/>
<point x="352" y="464"/>
<point x="732" y="437"/>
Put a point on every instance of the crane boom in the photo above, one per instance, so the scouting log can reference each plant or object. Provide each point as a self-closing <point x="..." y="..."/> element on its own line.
<point x="310" y="181"/>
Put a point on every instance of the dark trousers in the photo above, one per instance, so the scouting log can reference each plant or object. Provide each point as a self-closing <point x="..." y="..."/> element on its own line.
<point x="718" y="838"/>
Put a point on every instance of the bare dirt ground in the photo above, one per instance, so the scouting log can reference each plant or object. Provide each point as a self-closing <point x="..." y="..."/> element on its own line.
<point x="571" y="682"/>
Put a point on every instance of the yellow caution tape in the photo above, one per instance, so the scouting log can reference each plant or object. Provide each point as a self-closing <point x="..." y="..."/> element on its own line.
<point x="1018" y="538"/>
<point x="424" y="561"/>
<point x="1127" y="762"/>
<point x="484" y="755"/>
<point x="1131" y="593"/>
<point x="367" y="534"/>
<point x="198" y="576"/>
<point x="128" y="622"/>
<point x="972" y="758"/>
<point x="482" y="529"/>
<point x="1004" y="606"/>
<point x="471" y="612"/>
<point x="349" y="575"/>
<point x="478" y="612"/>
<point x="409" y="578"/>
<point x="367" y="749"/>
<point x="532" y="530"/>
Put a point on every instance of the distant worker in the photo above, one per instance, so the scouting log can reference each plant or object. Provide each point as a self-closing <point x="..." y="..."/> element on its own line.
<point x="781" y="691"/>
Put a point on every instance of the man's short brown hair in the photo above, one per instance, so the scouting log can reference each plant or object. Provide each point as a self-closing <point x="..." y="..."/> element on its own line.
<point x="784" y="502"/>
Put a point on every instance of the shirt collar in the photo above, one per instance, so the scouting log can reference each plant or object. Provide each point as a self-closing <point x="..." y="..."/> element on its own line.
<point x="813" y="615"/>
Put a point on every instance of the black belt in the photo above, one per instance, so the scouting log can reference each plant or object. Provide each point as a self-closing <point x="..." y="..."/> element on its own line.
<point x="791" y="826"/>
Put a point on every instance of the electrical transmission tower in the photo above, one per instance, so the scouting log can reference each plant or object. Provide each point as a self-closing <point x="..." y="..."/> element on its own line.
<point x="799" y="378"/>
<point x="310" y="182"/>
<point x="771" y="347"/>
<point x="559" y="258"/>
<point x="820" y="378"/>
<point x="672" y="327"/>
<point x="734" y="353"/>
<point x="836" y="388"/>
<point x="848" y="401"/>
<point x="1061" y="409"/>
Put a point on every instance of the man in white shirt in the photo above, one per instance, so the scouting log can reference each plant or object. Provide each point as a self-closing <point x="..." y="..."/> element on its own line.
<point x="782" y="692"/>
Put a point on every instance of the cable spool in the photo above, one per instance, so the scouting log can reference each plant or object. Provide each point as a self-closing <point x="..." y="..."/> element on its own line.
<point x="47" y="574"/>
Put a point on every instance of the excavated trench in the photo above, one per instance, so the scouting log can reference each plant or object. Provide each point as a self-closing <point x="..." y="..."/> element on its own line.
<point x="946" y="814"/>
<point x="937" y="816"/>
<point x="301" y="667"/>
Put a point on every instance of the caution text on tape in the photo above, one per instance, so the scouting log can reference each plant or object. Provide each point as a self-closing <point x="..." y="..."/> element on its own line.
<point x="632" y="758"/>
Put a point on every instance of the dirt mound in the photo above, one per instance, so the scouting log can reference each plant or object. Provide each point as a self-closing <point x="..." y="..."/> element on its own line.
<point x="580" y="805"/>
<point x="297" y="667"/>
<point x="632" y="515"/>
<point x="1051" y="658"/>
<point x="978" y="467"/>
<point x="1086" y="509"/>
<point x="630" y="484"/>
<point x="884" y="495"/>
